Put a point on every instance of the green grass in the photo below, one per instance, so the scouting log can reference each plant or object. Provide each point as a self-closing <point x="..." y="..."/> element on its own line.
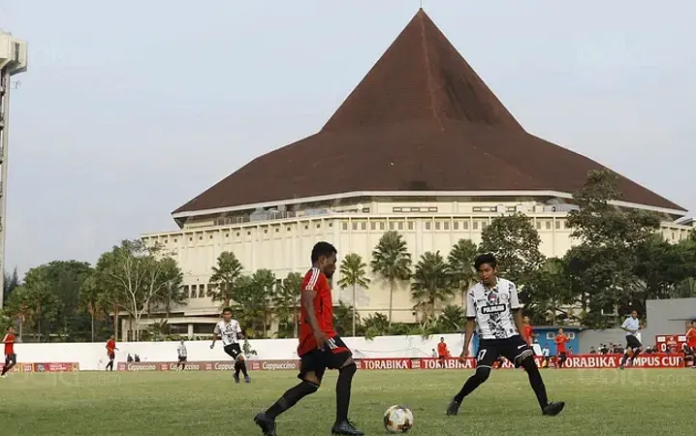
<point x="599" y="402"/>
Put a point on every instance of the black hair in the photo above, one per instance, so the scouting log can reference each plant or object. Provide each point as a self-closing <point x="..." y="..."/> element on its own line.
<point x="488" y="258"/>
<point x="227" y="309"/>
<point x="322" y="248"/>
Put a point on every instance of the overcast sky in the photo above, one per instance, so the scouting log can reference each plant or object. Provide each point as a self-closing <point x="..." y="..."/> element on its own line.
<point x="131" y="108"/>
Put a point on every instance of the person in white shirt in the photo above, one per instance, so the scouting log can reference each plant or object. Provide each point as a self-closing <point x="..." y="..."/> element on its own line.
<point x="495" y="310"/>
<point x="633" y="345"/>
<point x="230" y="332"/>
<point x="545" y="352"/>
<point x="183" y="355"/>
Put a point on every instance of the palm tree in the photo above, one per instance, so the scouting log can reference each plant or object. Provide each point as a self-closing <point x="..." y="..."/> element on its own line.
<point x="224" y="278"/>
<point x="353" y="274"/>
<point x="431" y="283"/>
<point x="286" y="300"/>
<point x="392" y="261"/>
<point x="461" y="266"/>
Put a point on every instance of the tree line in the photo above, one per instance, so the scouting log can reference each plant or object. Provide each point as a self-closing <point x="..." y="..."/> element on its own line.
<point x="619" y="262"/>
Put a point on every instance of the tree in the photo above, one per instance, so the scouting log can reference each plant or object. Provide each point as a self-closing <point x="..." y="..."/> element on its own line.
<point x="44" y="303"/>
<point x="10" y="284"/>
<point x="225" y="275"/>
<point x="353" y="274"/>
<point x="550" y="290"/>
<point x="254" y="296"/>
<point x="461" y="266"/>
<point x="20" y="307"/>
<point x="515" y="243"/>
<point x="431" y="284"/>
<point x="65" y="280"/>
<point x="452" y="319"/>
<point x="286" y="301"/>
<point x="134" y="275"/>
<point x="603" y="265"/>
<point x="173" y="293"/>
<point x="345" y="318"/>
<point x="93" y="302"/>
<point x="392" y="262"/>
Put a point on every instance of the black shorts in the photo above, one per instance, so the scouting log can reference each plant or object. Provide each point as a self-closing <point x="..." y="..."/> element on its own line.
<point x="562" y="355"/>
<point x="233" y="350"/>
<point x="633" y="342"/>
<point x="334" y="356"/>
<point x="513" y="349"/>
<point x="10" y="358"/>
<point x="112" y="356"/>
<point x="182" y="358"/>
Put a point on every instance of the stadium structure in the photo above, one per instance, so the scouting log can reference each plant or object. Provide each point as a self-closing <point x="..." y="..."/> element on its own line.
<point x="13" y="60"/>
<point x="421" y="146"/>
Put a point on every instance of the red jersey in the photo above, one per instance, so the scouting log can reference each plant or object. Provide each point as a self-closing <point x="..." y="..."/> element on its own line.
<point x="110" y="346"/>
<point x="528" y="332"/>
<point x="442" y="349"/>
<point x="9" y="341"/>
<point x="561" y="343"/>
<point x="316" y="281"/>
<point x="691" y="337"/>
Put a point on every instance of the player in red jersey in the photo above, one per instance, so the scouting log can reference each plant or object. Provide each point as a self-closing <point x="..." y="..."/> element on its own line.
<point x="561" y="354"/>
<point x="528" y="331"/>
<point x="10" y="356"/>
<point x="690" y="348"/>
<point x="320" y="348"/>
<point x="111" y="352"/>
<point x="442" y="352"/>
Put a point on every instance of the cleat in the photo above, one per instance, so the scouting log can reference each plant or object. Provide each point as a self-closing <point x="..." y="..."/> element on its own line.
<point x="453" y="408"/>
<point x="553" y="409"/>
<point x="346" y="428"/>
<point x="236" y="378"/>
<point x="266" y="424"/>
<point x="247" y="379"/>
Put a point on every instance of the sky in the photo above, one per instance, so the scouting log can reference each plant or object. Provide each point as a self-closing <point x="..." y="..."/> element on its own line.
<point x="131" y="109"/>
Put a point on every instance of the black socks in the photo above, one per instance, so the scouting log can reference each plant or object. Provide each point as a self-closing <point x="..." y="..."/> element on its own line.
<point x="473" y="382"/>
<point x="290" y="398"/>
<point x="343" y="389"/>
<point x="536" y="381"/>
<point x="240" y="365"/>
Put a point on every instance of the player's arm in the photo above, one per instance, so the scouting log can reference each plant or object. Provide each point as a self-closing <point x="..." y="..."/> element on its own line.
<point x="516" y="308"/>
<point x="624" y="326"/>
<point x="238" y="331"/>
<point x="216" y="333"/>
<point x="7" y="340"/>
<point x="470" y="324"/>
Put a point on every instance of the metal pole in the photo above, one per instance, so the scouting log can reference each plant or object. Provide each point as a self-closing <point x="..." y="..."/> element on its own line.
<point x="5" y="114"/>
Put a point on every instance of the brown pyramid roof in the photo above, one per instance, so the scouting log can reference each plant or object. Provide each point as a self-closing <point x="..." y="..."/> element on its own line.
<point x="420" y="119"/>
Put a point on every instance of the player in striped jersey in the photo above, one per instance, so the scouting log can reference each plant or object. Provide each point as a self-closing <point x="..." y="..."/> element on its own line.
<point x="230" y="332"/>
<point x="183" y="355"/>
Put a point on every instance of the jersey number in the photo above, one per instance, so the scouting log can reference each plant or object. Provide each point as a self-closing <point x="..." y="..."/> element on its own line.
<point x="480" y="355"/>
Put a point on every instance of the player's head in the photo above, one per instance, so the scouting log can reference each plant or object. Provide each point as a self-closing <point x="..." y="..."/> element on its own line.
<point x="182" y="342"/>
<point x="442" y="339"/>
<point x="634" y="314"/>
<point x="526" y="320"/>
<point x="227" y="314"/>
<point x="487" y="267"/>
<point x="324" y="258"/>
<point x="560" y="331"/>
<point x="10" y="329"/>
<point x="693" y="323"/>
<point x="112" y="337"/>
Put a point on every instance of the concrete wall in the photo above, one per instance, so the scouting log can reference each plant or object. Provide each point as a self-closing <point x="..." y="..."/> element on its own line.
<point x="593" y="338"/>
<point x="668" y="317"/>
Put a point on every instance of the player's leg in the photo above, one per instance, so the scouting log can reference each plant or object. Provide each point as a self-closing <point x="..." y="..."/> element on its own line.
<point x="233" y="350"/>
<point x="562" y="357"/>
<point x="8" y="365"/>
<point x="312" y="370"/>
<point x="637" y="348"/>
<point x="486" y="357"/>
<point x="340" y="357"/>
<point x="521" y="354"/>
<point x="240" y="365"/>
<point x="110" y="365"/>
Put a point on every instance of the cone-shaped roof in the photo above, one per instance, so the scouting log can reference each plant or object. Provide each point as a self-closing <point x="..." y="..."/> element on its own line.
<point x="421" y="119"/>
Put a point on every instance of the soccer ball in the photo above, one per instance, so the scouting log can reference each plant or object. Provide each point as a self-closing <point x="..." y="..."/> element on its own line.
<point x="398" y="419"/>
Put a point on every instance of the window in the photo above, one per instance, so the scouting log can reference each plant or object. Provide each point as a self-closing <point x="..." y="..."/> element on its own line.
<point x="373" y="225"/>
<point x="475" y="225"/>
<point x="175" y="241"/>
<point x="200" y="238"/>
<point x="415" y="209"/>
<point x="465" y="225"/>
<point x="396" y="209"/>
<point x="355" y="226"/>
<point x="201" y="291"/>
<point x="558" y="225"/>
<point x="194" y="291"/>
<point x="437" y="225"/>
<point x="446" y="225"/>
<point x="391" y="226"/>
<point x="289" y="229"/>
<point x="265" y="230"/>
<point x="427" y="225"/>
<point x="565" y="224"/>
<point x="345" y="225"/>
<point x="455" y="225"/>
<point x="381" y="226"/>
<point x="238" y="234"/>
<point x="211" y="236"/>
<point x="538" y="225"/>
<point x="478" y="209"/>
<point x="248" y="233"/>
<point x="401" y="226"/>
<point x="318" y="226"/>
<point x="363" y="225"/>
<point x="227" y="235"/>
<point x="510" y="209"/>
<point x="277" y="230"/>
<point x="330" y="224"/>
<point x="306" y="227"/>
<point x="548" y="225"/>
<point x="484" y="225"/>
<point x="432" y="209"/>
<point x="366" y="210"/>
<point x="550" y="336"/>
<point x="410" y="225"/>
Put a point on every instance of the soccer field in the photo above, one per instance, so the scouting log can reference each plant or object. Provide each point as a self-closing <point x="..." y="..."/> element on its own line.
<point x="599" y="402"/>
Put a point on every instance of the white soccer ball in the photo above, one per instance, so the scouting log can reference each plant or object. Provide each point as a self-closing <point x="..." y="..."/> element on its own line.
<point x="398" y="419"/>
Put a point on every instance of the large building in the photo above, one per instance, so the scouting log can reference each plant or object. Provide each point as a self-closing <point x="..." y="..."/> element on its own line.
<point x="421" y="146"/>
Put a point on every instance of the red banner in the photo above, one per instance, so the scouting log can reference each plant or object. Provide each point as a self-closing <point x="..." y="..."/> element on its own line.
<point x="45" y="367"/>
<point x="584" y="361"/>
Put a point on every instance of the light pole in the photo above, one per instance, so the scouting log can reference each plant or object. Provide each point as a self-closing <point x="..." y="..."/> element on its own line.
<point x="13" y="60"/>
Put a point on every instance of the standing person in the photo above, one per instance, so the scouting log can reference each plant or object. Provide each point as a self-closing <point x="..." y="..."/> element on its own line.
<point x="561" y="353"/>
<point x="230" y="332"/>
<point x="690" y="348"/>
<point x="442" y="353"/>
<point x="183" y="355"/>
<point x="528" y="331"/>
<point x="545" y="352"/>
<point x="10" y="356"/>
<point x="494" y="308"/>
<point x="320" y="348"/>
<point x="111" y="352"/>
<point x="633" y="345"/>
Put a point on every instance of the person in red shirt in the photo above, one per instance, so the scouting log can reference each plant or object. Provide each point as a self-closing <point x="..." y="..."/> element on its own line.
<point x="111" y="352"/>
<point x="320" y="348"/>
<point x="561" y="355"/>
<point x="690" y="348"/>
<point x="528" y="331"/>
<point x="10" y="356"/>
<point x="442" y="353"/>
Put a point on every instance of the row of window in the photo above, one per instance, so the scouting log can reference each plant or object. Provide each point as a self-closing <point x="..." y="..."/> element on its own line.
<point x="200" y="290"/>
